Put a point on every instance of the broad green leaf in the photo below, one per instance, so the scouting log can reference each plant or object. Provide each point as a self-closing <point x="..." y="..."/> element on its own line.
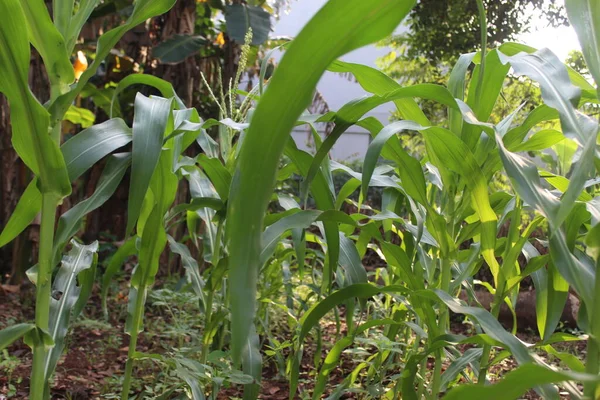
<point x="80" y="116"/>
<point x="62" y="11"/>
<point x="151" y="119"/>
<point x="559" y="93"/>
<point x="324" y="199"/>
<point x="239" y="18"/>
<point x="515" y="136"/>
<point x="78" y="259"/>
<point x="69" y="222"/>
<point x="351" y="263"/>
<point x="374" y="81"/>
<point x="80" y="153"/>
<point x="347" y="25"/>
<point x="540" y="140"/>
<point x="89" y="146"/>
<point x="411" y="172"/>
<point x="450" y="152"/>
<point x="177" y="48"/>
<point x="252" y="362"/>
<point x="30" y="121"/>
<point x="588" y="91"/>
<point x="490" y="325"/>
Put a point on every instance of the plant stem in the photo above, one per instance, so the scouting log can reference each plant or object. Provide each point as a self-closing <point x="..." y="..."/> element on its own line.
<point x="42" y="302"/>
<point x="442" y="327"/>
<point x="135" y="325"/>
<point x="206" y="337"/>
<point x="592" y="366"/>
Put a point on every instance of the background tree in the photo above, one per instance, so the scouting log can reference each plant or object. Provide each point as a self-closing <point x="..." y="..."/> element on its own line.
<point x="438" y="31"/>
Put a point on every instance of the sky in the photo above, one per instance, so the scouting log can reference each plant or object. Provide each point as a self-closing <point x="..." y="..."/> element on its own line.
<point x="337" y="90"/>
<point x="560" y="40"/>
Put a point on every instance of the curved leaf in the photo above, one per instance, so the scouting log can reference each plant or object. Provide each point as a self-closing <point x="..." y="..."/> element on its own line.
<point x="348" y="24"/>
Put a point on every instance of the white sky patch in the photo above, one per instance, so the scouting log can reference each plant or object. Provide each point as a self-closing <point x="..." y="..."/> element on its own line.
<point x="560" y="40"/>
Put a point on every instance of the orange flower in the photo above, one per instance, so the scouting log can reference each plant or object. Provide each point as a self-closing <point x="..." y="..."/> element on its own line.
<point x="80" y="64"/>
<point x="220" y="39"/>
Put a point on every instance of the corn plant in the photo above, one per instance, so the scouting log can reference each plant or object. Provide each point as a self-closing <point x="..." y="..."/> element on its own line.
<point x="429" y="269"/>
<point x="37" y="140"/>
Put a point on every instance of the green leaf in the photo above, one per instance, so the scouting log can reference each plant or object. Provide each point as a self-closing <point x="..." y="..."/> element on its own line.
<point x="452" y="153"/>
<point x="62" y="11"/>
<point x="69" y="222"/>
<point x="142" y="11"/>
<point x="490" y="325"/>
<point x="252" y="362"/>
<point x="347" y="25"/>
<point x="456" y="86"/>
<point x="177" y="48"/>
<point x="75" y="22"/>
<point x="30" y="121"/>
<point x="151" y="119"/>
<point x="413" y="180"/>
<point x="165" y="88"/>
<point x="80" y="116"/>
<point x="376" y="82"/>
<point x="27" y="208"/>
<point x="240" y="17"/>
<point x="191" y="266"/>
<point x="89" y="146"/>
<point x="493" y="80"/>
<point x="584" y="15"/>
<point x="12" y="333"/>
<point x="50" y="43"/>
<point x="298" y="220"/>
<point x="218" y="174"/>
<point x="78" y="259"/>
<point x="126" y="250"/>
<point x="351" y="263"/>
<point x="80" y="153"/>
<point x="514" y="384"/>
<point x="540" y="140"/>
<point x="588" y="91"/>
<point x="352" y="111"/>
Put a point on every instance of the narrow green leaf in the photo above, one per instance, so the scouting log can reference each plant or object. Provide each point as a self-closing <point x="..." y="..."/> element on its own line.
<point x="584" y="15"/>
<point x="30" y="121"/>
<point x="142" y="10"/>
<point x="165" y="88"/>
<point x="78" y="259"/>
<point x="514" y="384"/>
<point x="12" y="333"/>
<point x="151" y="118"/>
<point x="49" y="42"/>
<point x="111" y="177"/>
